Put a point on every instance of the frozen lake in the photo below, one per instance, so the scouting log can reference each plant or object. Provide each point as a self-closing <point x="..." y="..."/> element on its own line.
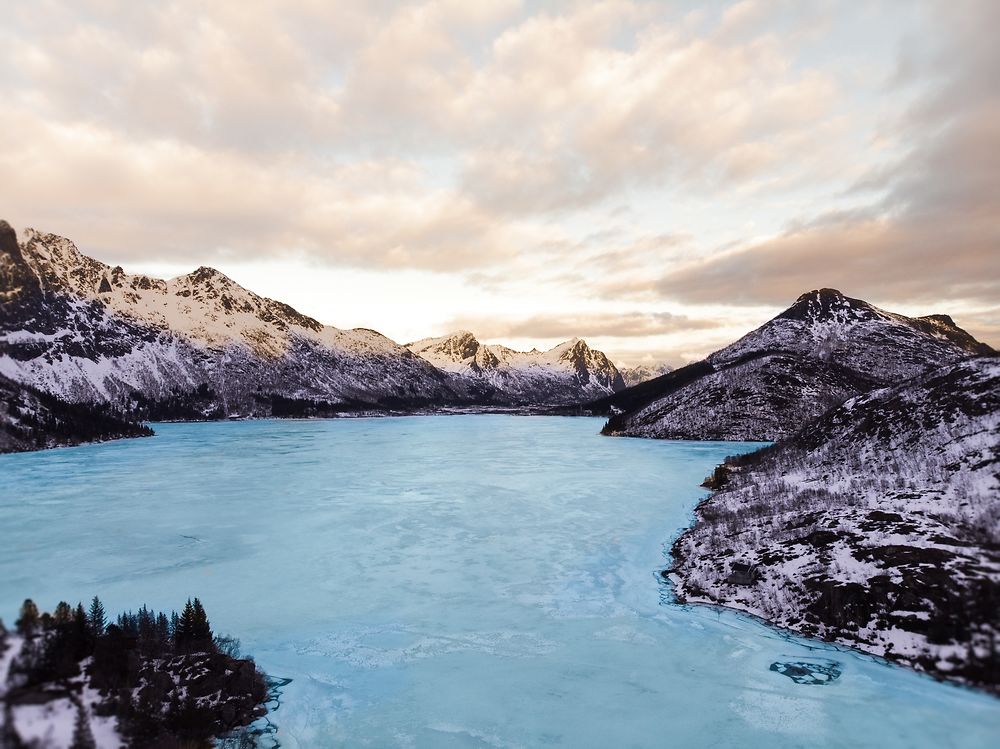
<point x="452" y="581"/>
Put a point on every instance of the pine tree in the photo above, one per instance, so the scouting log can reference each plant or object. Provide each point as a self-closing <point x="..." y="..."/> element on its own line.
<point x="83" y="737"/>
<point x="81" y="633"/>
<point x="63" y="614"/>
<point x="29" y="622"/>
<point x="96" y="619"/>
<point x="147" y="629"/>
<point x="162" y="632"/>
<point x="128" y="623"/>
<point x="184" y="629"/>
<point x="201" y="630"/>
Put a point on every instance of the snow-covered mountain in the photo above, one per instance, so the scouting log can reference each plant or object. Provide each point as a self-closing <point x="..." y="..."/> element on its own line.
<point x="643" y="373"/>
<point x="31" y="420"/>
<point x="569" y="373"/>
<point x="877" y="525"/>
<point x="201" y="345"/>
<point x="87" y="332"/>
<point x="822" y="350"/>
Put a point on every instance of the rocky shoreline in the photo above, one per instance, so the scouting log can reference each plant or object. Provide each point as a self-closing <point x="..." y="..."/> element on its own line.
<point x="875" y="528"/>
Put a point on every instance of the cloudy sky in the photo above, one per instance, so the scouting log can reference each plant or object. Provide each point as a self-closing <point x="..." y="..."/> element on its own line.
<point x="654" y="178"/>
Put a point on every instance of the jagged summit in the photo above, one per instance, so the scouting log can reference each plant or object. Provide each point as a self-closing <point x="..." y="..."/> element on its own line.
<point x="205" y="274"/>
<point x="459" y="346"/>
<point x="205" y="305"/>
<point x="944" y="327"/>
<point x="15" y="277"/>
<point x="555" y="375"/>
<point x="8" y="237"/>
<point x="831" y="309"/>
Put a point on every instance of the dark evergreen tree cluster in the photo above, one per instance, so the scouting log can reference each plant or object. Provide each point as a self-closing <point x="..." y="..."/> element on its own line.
<point x="38" y="419"/>
<point x="201" y="403"/>
<point x="158" y="673"/>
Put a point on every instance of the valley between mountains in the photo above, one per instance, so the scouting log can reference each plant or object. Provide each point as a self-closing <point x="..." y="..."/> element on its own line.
<point x="873" y="520"/>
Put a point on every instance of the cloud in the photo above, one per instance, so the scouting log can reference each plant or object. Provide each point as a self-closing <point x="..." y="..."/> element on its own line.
<point x="176" y="201"/>
<point x="931" y="232"/>
<point x="575" y="152"/>
<point x="230" y="128"/>
<point x="618" y="325"/>
<point x="612" y="97"/>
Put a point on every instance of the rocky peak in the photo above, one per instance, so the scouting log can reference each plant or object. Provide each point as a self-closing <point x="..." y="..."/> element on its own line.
<point x="8" y="239"/>
<point x="940" y="319"/>
<point x="828" y="305"/>
<point x="573" y="350"/>
<point x="15" y="276"/>
<point x="203" y="274"/>
<point x="460" y="345"/>
<point x="208" y="283"/>
<point x="59" y="265"/>
<point x="944" y="327"/>
<point x="588" y="362"/>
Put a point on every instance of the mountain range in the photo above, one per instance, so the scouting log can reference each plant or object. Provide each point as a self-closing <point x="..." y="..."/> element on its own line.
<point x="643" y="372"/>
<point x="202" y="346"/>
<point x="568" y="373"/>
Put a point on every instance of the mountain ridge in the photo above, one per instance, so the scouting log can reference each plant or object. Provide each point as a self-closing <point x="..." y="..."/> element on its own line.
<point x="200" y="344"/>
<point x="569" y="367"/>
<point x="822" y="350"/>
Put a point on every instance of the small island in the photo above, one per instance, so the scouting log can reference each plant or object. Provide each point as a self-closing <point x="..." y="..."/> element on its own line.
<point x="71" y="679"/>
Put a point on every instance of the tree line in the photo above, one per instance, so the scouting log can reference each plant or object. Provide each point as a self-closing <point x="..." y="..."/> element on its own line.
<point x="164" y="676"/>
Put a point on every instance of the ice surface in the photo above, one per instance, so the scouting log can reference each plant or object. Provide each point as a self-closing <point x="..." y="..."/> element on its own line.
<point x="449" y="581"/>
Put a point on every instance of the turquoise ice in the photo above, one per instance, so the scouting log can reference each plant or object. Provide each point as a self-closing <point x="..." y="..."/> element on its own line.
<point x="451" y="581"/>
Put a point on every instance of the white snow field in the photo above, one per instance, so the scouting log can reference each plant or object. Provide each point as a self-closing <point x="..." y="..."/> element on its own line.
<point x="451" y="581"/>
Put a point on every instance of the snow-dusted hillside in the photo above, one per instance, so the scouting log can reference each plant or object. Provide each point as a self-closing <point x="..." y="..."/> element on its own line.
<point x="31" y="420"/>
<point x="50" y="721"/>
<point x="569" y="373"/>
<point x="643" y="373"/>
<point x="824" y="349"/>
<point x="877" y="525"/>
<point x="84" y="331"/>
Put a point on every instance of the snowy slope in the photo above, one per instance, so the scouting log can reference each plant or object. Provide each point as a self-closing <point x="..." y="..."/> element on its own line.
<point x="87" y="332"/>
<point x="824" y="349"/>
<point x="877" y="525"/>
<point x="569" y="373"/>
